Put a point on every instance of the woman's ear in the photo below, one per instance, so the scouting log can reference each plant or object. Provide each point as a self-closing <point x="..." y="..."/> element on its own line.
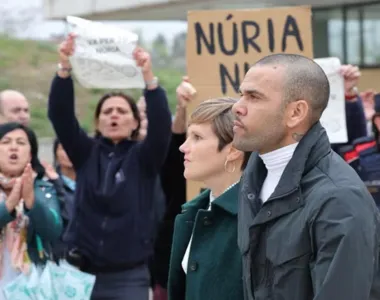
<point x="234" y="154"/>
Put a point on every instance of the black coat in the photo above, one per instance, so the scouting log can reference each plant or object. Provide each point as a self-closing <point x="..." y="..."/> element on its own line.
<point x="317" y="236"/>
<point x="174" y="187"/>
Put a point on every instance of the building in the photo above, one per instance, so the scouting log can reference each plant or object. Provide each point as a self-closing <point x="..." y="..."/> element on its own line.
<point x="347" y="29"/>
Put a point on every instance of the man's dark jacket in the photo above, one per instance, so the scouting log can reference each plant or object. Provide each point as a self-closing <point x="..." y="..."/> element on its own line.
<point x="317" y="236"/>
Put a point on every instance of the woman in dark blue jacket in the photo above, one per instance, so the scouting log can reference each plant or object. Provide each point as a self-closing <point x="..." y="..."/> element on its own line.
<point x="111" y="234"/>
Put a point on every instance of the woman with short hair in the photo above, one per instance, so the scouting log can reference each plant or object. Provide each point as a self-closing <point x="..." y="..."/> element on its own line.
<point x="206" y="262"/>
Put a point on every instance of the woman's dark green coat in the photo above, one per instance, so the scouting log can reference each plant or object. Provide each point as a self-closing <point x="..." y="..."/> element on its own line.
<point x="215" y="265"/>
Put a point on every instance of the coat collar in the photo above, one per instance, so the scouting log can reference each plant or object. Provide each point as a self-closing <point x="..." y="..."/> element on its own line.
<point x="312" y="147"/>
<point x="228" y="201"/>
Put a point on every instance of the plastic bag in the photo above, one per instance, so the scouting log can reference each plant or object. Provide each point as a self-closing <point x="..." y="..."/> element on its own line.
<point x="55" y="282"/>
<point x="46" y="287"/>
<point x="70" y="283"/>
<point x="32" y="283"/>
<point x="17" y="289"/>
<point x="103" y="56"/>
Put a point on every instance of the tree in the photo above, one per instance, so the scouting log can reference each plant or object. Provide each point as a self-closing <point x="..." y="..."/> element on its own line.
<point x="160" y="53"/>
<point x="179" y="45"/>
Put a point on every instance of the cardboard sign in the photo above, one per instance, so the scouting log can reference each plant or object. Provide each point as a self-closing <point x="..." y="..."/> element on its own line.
<point x="103" y="56"/>
<point x="222" y="44"/>
<point x="334" y="116"/>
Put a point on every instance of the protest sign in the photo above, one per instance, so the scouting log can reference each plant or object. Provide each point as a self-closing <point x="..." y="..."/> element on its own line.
<point x="103" y="56"/>
<point x="334" y="116"/>
<point x="222" y="44"/>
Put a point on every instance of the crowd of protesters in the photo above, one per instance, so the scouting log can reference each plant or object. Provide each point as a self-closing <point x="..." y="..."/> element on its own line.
<point x="286" y="215"/>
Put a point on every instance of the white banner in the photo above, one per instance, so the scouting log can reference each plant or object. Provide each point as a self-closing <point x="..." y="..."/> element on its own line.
<point x="334" y="116"/>
<point x="103" y="56"/>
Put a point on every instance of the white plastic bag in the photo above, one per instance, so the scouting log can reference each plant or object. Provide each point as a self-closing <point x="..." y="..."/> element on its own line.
<point x="103" y="56"/>
<point x="70" y="283"/>
<point x="55" y="282"/>
<point x="46" y="288"/>
<point x="33" y="282"/>
<point x="17" y="289"/>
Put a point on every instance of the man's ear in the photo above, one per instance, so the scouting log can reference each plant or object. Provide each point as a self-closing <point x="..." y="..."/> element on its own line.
<point x="297" y="112"/>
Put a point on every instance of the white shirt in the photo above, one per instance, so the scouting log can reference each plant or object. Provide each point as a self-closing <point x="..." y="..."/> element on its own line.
<point x="275" y="162"/>
<point x="185" y="259"/>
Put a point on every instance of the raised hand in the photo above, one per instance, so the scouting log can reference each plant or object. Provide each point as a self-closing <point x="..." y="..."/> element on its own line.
<point x="368" y="98"/>
<point x="143" y="60"/>
<point x="27" y="191"/>
<point x="351" y="75"/>
<point x="14" y="197"/>
<point x="185" y="92"/>
<point x="50" y="172"/>
<point x="65" y="50"/>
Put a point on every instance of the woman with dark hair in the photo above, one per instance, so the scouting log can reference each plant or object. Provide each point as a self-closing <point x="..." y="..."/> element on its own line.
<point x="117" y="178"/>
<point x="62" y="175"/>
<point x="29" y="210"/>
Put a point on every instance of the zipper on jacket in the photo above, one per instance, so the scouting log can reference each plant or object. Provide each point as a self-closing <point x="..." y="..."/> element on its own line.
<point x="110" y="155"/>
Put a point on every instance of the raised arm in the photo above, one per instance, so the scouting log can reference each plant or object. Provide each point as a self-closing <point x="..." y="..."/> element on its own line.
<point x="153" y="149"/>
<point x="61" y="110"/>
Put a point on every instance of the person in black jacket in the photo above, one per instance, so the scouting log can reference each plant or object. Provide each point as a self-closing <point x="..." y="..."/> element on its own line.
<point x="307" y="226"/>
<point x="113" y="225"/>
<point x="173" y="185"/>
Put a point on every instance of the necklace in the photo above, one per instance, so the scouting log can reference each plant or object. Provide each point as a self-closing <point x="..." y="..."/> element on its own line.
<point x="212" y="197"/>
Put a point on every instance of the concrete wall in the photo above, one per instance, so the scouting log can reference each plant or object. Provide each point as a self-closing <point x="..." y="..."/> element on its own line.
<point x="161" y="9"/>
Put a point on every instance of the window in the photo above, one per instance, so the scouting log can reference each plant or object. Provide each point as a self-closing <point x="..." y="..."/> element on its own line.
<point x="348" y="32"/>
<point x="371" y="29"/>
<point x="352" y="36"/>
<point x="327" y="33"/>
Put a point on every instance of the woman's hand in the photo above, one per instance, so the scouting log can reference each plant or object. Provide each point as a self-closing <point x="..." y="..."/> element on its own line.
<point x="14" y="197"/>
<point x="27" y="192"/>
<point x="65" y="50"/>
<point x="143" y="60"/>
<point x="185" y="92"/>
<point x="141" y="105"/>
<point x="50" y="172"/>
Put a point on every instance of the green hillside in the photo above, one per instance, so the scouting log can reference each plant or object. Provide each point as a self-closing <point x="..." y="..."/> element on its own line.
<point x="28" y="66"/>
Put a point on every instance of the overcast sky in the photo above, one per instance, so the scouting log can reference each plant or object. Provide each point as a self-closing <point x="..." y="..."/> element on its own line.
<point x="43" y="29"/>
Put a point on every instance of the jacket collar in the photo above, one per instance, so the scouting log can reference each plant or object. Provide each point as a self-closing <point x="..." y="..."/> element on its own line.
<point x="228" y="201"/>
<point x="110" y="146"/>
<point x="312" y="147"/>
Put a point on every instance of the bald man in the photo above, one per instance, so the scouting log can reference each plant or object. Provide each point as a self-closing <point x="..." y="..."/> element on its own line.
<point x="14" y="107"/>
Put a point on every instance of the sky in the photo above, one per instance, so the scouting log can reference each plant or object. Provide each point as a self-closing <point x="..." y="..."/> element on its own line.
<point x="42" y="29"/>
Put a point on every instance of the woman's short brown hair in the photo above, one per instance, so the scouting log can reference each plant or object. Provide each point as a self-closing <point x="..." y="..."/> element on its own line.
<point x="218" y="112"/>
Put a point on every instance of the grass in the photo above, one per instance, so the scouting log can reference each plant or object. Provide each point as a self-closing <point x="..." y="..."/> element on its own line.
<point x="29" y="66"/>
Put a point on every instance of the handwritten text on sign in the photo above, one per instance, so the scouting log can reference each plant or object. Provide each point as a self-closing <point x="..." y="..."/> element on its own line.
<point x="103" y="56"/>
<point x="222" y="44"/>
<point x="228" y="42"/>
